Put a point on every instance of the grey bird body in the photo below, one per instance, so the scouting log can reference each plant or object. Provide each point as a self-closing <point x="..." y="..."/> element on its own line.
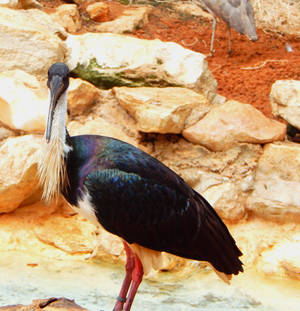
<point x="237" y="14"/>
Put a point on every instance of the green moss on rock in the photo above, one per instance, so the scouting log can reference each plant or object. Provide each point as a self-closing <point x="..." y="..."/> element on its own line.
<point x="107" y="78"/>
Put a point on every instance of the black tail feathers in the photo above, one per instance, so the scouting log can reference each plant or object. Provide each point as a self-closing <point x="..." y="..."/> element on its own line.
<point x="217" y="246"/>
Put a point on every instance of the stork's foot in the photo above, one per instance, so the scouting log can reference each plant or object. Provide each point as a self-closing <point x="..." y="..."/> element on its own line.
<point x="211" y="53"/>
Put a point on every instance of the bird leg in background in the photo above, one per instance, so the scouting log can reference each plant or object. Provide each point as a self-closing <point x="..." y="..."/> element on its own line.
<point x="137" y="276"/>
<point x="213" y="36"/>
<point x="229" y="38"/>
<point x="130" y="263"/>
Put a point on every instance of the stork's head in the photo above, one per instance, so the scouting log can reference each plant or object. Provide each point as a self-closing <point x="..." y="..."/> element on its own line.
<point x="58" y="82"/>
<point x="51" y="167"/>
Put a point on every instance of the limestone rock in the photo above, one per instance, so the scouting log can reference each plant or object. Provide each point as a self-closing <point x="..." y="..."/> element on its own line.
<point x="20" y="4"/>
<point x="99" y="126"/>
<point x="109" y="60"/>
<point x="75" y="237"/>
<point x="67" y="15"/>
<point x="105" y="117"/>
<point x="223" y="178"/>
<point x="231" y="123"/>
<point x="18" y="167"/>
<point x="130" y="19"/>
<point x="282" y="20"/>
<point x="160" y="110"/>
<point x="233" y="164"/>
<point x="30" y="41"/>
<point x="56" y="232"/>
<point x="260" y="241"/>
<point x="82" y="96"/>
<point x="227" y="200"/>
<point x="5" y="132"/>
<point x="23" y="101"/>
<point x="282" y="259"/>
<point x="35" y="228"/>
<point x="98" y="11"/>
<point x="9" y="3"/>
<point x="277" y="182"/>
<point x="285" y="101"/>
<point x="191" y="9"/>
<point x="48" y="304"/>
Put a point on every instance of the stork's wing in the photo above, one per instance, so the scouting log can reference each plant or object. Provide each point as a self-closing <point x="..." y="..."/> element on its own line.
<point x="141" y="200"/>
<point x="163" y="214"/>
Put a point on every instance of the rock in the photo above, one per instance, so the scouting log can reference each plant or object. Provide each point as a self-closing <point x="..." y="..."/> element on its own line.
<point x="21" y="4"/>
<point x="257" y="237"/>
<point x="18" y="167"/>
<point x="160" y="110"/>
<point x="285" y="101"/>
<point x="98" y="112"/>
<point x="81" y="97"/>
<point x="98" y="58"/>
<point x="231" y="123"/>
<point x="130" y="19"/>
<point x="106" y="117"/>
<point x="78" y="2"/>
<point x="277" y="182"/>
<point x="282" y="20"/>
<point x="233" y="164"/>
<point x="100" y="126"/>
<point x="75" y="238"/>
<point x="49" y="304"/>
<point x="223" y="178"/>
<point x="23" y="101"/>
<point x="228" y="200"/>
<point x="9" y="3"/>
<point x="5" y="132"/>
<point x="30" y="41"/>
<point x="67" y="15"/>
<point x="34" y="229"/>
<point x="192" y="9"/>
<point x="283" y="259"/>
<point x="38" y="233"/>
<point x="98" y="11"/>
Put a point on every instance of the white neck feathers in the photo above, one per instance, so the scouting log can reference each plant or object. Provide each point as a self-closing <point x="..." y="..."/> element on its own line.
<point x="52" y="166"/>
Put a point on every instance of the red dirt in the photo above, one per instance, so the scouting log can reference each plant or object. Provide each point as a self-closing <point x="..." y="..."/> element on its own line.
<point x="246" y="75"/>
<point x="249" y="72"/>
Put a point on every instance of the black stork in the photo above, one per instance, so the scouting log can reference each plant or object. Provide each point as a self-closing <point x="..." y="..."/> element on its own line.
<point x="130" y="194"/>
<point x="237" y="14"/>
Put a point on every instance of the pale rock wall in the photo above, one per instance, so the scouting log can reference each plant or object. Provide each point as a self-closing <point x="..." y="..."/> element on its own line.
<point x="29" y="40"/>
<point x="160" y="110"/>
<point x="18" y="166"/>
<point x="23" y="101"/>
<point x="277" y="182"/>
<point x="132" y="18"/>
<point x="285" y="102"/>
<point x="232" y="123"/>
<point x="253" y="187"/>
<point x="67" y="15"/>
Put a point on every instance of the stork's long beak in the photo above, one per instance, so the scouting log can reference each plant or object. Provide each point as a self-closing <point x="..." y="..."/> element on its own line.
<point x="56" y="87"/>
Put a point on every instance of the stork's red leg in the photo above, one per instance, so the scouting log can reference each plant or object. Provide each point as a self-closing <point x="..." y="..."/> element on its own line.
<point x="137" y="276"/>
<point x="130" y="262"/>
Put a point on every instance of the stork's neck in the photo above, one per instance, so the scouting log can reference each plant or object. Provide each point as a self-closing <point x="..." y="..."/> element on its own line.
<point x="59" y="130"/>
<point x="52" y="166"/>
